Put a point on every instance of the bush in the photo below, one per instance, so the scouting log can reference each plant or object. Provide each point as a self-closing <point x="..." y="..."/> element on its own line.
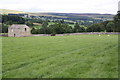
<point x="4" y="28"/>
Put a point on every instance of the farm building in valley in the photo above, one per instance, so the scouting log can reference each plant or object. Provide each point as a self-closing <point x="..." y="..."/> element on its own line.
<point x="18" y="30"/>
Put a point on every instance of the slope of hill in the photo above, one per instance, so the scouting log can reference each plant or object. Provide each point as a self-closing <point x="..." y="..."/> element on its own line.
<point x="6" y="11"/>
<point x="46" y="14"/>
<point x="64" y="15"/>
<point x="90" y="15"/>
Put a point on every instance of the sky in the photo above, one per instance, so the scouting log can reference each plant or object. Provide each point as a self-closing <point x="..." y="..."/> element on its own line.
<point x="62" y="6"/>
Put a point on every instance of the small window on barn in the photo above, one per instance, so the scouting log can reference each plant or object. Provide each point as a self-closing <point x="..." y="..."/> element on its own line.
<point x="25" y="29"/>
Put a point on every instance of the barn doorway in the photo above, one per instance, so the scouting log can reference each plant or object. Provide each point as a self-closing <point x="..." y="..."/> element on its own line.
<point x="14" y="35"/>
<point x="25" y="29"/>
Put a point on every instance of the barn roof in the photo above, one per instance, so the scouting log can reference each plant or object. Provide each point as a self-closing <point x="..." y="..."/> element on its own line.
<point x="18" y="26"/>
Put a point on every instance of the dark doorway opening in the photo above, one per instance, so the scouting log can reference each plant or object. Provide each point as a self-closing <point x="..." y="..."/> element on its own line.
<point x="25" y="29"/>
<point x="14" y="35"/>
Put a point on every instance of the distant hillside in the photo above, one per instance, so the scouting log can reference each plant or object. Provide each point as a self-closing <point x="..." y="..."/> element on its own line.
<point x="98" y="16"/>
<point x="103" y="17"/>
<point x="46" y="14"/>
<point x="6" y="11"/>
<point x="91" y="15"/>
<point x="74" y="16"/>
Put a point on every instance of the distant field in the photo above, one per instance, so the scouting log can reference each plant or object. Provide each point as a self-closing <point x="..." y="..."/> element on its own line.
<point x="6" y="11"/>
<point x="37" y="26"/>
<point x="79" y="56"/>
<point x="51" y="23"/>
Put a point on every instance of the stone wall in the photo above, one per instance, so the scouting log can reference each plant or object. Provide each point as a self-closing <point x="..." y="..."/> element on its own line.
<point x="87" y="33"/>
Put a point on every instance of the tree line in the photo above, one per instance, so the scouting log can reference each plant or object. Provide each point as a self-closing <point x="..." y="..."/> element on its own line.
<point x="61" y="27"/>
<point x="8" y="20"/>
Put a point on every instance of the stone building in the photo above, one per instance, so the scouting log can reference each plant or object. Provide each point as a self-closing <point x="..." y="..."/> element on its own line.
<point x="18" y="30"/>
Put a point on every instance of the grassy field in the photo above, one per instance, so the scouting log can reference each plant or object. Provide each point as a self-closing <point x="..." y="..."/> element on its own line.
<point x="78" y="56"/>
<point x="37" y="26"/>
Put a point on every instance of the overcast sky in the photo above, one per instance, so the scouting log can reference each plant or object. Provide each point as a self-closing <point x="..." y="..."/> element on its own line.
<point x="63" y="6"/>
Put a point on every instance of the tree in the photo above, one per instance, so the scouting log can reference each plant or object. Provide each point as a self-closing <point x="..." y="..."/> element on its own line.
<point x="94" y="28"/>
<point x="35" y="31"/>
<point x="81" y="29"/>
<point x="104" y="25"/>
<point x="62" y="21"/>
<point x="45" y="24"/>
<point x="117" y="23"/>
<point x="76" y="27"/>
<point x="57" y="28"/>
<point x="29" y="23"/>
<point x="110" y="27"/>
<point x="44" y="29"/>
<point x="8" y="19"/>
<point x="89" y="29"/>
<point x="4" y="28"/>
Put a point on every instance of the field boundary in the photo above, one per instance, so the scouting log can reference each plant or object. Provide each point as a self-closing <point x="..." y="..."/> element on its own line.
<point x="67" y="34"/>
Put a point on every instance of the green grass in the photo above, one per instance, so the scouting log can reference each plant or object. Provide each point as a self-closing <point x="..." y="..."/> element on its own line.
<point x="72" y="25"/>
<point x="51" y="23"/>
<point x="82" y="56"/>
<point x="3" y="34"/>
<point x="37" y="26"/>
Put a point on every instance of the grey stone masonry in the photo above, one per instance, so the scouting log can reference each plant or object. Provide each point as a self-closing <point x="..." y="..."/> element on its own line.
<point x="18" y="30"/>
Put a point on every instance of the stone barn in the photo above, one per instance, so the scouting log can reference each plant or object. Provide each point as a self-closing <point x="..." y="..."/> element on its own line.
<point x="19" y="30"/>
